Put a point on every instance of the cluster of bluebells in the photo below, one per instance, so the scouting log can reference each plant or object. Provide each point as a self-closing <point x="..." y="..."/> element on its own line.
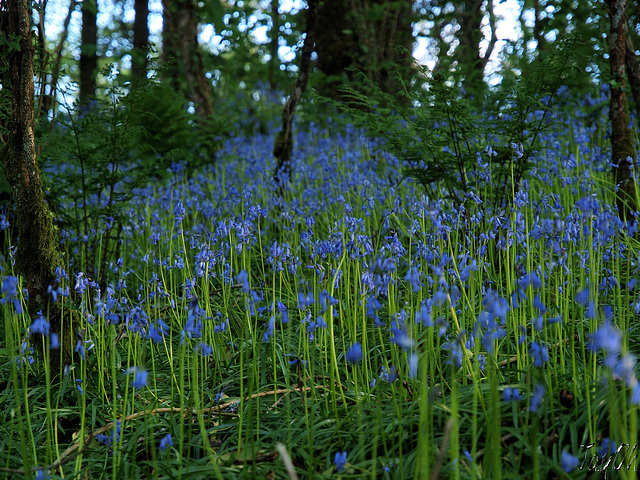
<point x="430" y="278"/>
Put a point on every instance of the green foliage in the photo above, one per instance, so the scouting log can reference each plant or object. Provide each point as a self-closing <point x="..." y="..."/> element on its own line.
<point x="449" y="147"/>
<point x="95" y="156"/>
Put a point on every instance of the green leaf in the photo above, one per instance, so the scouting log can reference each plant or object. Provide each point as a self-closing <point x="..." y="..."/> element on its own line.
<point x="212" y="12"/>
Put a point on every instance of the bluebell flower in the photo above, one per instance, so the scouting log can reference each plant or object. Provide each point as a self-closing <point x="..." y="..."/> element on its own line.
<point x="114" y="436"/>
<point x="40" y="326"/>
<point x="354" y="354"/>
<point x="539" y="353"/>
<point x="568" y="461"/>
<point x="283" y="310"/>
<point x="140" y="377"/>
<point x="423" y="314"/>
<point x="511" y="395"/>
<point x="54" y="342"/>
<point x="634" y="399"/>
<point x="413" y="277"/>
<point x="607" y="447"/>
<point x="582" y="297"/>
<point x="340" y="460"/>
<point x="537" y="397"/>
<point x="179" y="213"/>
<point x="412" y="362"/>
<point x="266" y="336"/>
<point x="606" y="337"/>
<point x="468" y="456"/>
<point x="401" y="338"/>
<point x="204" y="348"/>
<point x="243" y="279"/>
<point x="388" y="374"/>
<point x="166" y="442"/>
<point x="10" y="293"/>
<point x="80" y="349"/>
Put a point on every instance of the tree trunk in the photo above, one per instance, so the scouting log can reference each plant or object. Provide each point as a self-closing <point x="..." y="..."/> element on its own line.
<point x="470" y="35"/>
<point x="633" y="73"/>
<point x="363" y="34"/>
<point x="284" y="141"/>
<point x="274" y="63"/>
<point x="622" y="148"/>
<point x="49" y="100"/>
<point x="140" y="38"/>
<point x="182" y="58"/>
<point x="37" y="256"/>
<point x="88" y="50"/>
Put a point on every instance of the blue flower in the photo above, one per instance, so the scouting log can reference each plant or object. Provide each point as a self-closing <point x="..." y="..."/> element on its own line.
<point x="423" y="314"/>
<point x="166" y="442"/>
<point x="401" y="338"/>
<point x="40" y="325"/>
<point x="266" y="336"/>
<point x="340" y="460"/>
<point x="140" y="377"/>
<point x="179" y="212"/>
<point x="569" y="462"/>
<point x="79" y="349"/>
<point x="539" y="353"/>
<point x="354" y="354"/>
<point x="537" y="397"/>
<point x="607" y="338"/>
<point x="243" y="279"/>
<point x="635" y="394"/>
<point x="511" y="395"/>
<point x="205" y="349"/>
<point x="413" y="365"/>
<point x="607" y="447"/>
<point x="413" y="277"/>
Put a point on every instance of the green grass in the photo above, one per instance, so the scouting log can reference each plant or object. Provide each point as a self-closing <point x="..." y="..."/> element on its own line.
<point x="436" y="408"/>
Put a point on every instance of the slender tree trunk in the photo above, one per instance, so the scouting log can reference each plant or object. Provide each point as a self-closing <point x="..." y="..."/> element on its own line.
<point x="622" y="148"/>
<point x="537" y="27"/>
<point x="49" y="100"/>
<point x="284" y="141"/>
<point x="633" y="73"/>
<point x="140" y="38"/>
<point x="274" y="63"/>
<point x="37" y="256"/>
<point x="88" y="50"/>
<point x="185" y="68"/>
<point x="470" y="35"/>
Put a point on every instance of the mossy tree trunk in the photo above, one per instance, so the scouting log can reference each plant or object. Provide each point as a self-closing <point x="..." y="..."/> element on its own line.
<point x="38" y="255"/>
<point x="622" y="147"/>
<point x="284" y="141"/>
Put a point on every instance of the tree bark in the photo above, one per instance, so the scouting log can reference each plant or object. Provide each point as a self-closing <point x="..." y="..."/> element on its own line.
<point x="37" y="256"/>
<point x="284" y="141"/>
<point x="622" y="148"/>
<point x="363" y="34"/>
<point x="140" y="38"/>
<point x="470" y="35"/>
<point x="274" y="63"/>
<point x="49" y="100"/>
<point x="633" y="73"/>
<point x="88" y="50"/>
<point x="182" y="58"/>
